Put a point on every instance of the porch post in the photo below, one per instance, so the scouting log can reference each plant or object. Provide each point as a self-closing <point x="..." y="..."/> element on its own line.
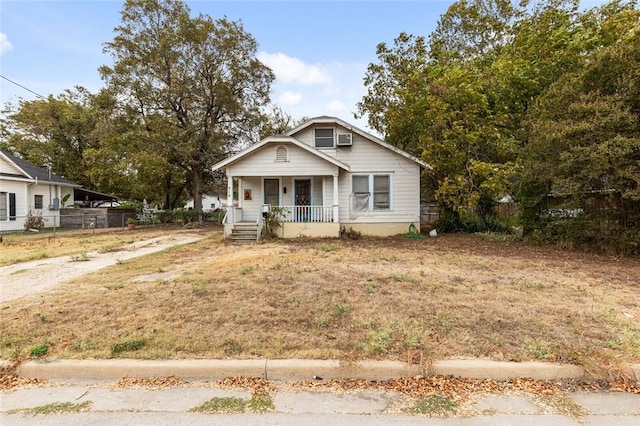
<point x="230" y="209"/>
<point x="336" y="199"/>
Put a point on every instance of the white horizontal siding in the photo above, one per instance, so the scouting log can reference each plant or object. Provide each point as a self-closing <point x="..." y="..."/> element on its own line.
<point x="9" y="168"/>
<point x="263" y="163"/>
<point x="251" y="209"/>
<point x="21" y="191"/>
<point x="25" y="203"/>
<point x="367" y="157"/>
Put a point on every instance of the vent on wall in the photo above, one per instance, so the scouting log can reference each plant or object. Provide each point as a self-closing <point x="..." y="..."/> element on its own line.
<point x="345" y="139"/>
<point x="281" y="154"/>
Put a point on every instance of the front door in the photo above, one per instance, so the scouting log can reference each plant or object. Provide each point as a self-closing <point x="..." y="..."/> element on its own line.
<point x="303" y="199"/>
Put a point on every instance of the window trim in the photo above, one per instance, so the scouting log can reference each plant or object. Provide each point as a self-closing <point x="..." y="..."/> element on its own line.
<point x="4" y="200"/>
<point x="38" y="199"/>
<point x="264" y="192"/>
<point x="371" y="190"/>
<point x="333" y="138"/>
<point x="10" y="211"/>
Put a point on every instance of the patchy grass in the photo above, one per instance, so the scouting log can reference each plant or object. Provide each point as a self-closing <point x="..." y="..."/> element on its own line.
<point x="128" y="346"/>
<point x="23" y="246"/>
<point x="391" y="298"/>
<point x="82" y="257"/>
<point x="54" y="408"/>
<point x="258" y="403"/>
<point x="220" y="405"/>
<point x="434" y="406"/>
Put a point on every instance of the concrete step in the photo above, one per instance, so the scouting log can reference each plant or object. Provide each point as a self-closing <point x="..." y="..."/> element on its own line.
<point x="244" y="233"/>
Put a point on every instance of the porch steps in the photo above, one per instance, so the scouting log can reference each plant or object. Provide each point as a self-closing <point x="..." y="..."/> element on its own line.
<point x="244" y="233"/>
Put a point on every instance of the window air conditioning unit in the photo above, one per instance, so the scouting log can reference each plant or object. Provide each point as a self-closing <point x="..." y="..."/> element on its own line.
<point x="345" y="139"/>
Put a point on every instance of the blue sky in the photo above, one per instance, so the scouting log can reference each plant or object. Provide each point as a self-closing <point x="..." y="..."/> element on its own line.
<point x="319" y="50"/>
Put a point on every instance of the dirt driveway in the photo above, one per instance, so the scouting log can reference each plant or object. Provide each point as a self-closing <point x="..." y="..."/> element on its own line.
<point x="28" y="278"/>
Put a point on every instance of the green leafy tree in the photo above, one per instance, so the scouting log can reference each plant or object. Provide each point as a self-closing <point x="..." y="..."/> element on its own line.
<point x="54" y="133"/>
<point x="435" y="102"/>
<point x="474" y="30"/>
<point x="584" y="151"/>
<point x="390" y="83"/>
<point x="127" y="162"/>
<point x="277" y="122"/>
<point x="195" y="84"/>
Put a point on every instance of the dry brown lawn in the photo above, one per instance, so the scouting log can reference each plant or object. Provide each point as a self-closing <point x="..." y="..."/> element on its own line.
<point x="416" y="300"/>
<point x="26" y="246"/>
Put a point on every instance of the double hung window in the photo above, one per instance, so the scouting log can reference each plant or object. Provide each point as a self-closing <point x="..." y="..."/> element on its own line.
<point x="7" y="206"/>
<point x="371" y="192"/>
<point x="324" y="138"/>
<point x="37" y="202"/>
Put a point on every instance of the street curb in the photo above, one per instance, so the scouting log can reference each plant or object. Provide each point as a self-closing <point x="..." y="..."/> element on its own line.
<point x="505" y="370"/>
<point x="294" y="369"/>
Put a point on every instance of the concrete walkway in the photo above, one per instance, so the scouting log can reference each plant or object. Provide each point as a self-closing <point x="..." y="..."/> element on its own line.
<point x="93" y="382"/>
<point x="369" y="407"/>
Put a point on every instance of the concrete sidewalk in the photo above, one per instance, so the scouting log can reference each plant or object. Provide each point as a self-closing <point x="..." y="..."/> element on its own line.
<point x="108" y="405"/>
<point x="92" y="382"/>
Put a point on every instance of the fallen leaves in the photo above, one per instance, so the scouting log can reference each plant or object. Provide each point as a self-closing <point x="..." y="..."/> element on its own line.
<point x="12" y="381"/>
<point x="256" y="385"/>
<point x="630" y="387"/>
<point x="150" y="383"/>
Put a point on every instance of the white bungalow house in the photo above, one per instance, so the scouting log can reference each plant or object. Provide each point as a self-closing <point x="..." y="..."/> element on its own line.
<point x="326" y="174"/>
<point x="27" y="189"/>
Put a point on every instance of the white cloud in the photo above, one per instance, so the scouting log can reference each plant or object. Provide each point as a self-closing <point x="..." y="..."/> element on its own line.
<point x="292" y="70"/>
<point x="5" y="45"/>
<point x="335" y="106"/>
<point x="290" y="98"/>
<point x="324" y="88"/>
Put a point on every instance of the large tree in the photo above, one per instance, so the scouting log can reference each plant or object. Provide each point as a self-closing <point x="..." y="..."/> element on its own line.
<point x="463" y="100"/>
<point x="55" y="132"/>
<point x="194" y="82"/>
<point x="433" y="99"/>
<point x="584" y="151"/>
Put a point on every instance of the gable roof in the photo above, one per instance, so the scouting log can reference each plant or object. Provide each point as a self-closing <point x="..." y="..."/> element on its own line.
<point x="280" y="139"/>
<point x="325" y="119"/>
<point x="32" y="172"/>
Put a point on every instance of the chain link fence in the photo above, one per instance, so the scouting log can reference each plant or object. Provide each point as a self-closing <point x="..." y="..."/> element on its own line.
<point x="104" y="218"/>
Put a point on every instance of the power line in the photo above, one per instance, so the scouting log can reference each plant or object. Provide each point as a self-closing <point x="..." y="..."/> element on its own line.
<point x="25" y="88"/>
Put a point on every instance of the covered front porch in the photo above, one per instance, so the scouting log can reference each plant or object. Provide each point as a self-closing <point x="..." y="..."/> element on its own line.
<point x="304" y="205"/>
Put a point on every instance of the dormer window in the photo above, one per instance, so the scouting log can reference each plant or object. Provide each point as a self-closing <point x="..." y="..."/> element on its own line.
<point x="324" y="138"/>
<point x="281" y="154"/>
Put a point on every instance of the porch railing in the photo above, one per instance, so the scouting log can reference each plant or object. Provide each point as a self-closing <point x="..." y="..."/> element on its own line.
<point x="317" y="214"/>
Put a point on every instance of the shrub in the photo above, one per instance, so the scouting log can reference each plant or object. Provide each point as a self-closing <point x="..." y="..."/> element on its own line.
<point x="39" y="350"/>
<point x="34" y="221"/>
<point x="350" y="234"/>
<point x="273" y="220"/>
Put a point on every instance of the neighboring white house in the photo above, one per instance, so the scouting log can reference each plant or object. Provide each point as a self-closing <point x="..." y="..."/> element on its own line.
<point x="209" y="203"/>
<point x="327" y="175"/>
<point x="27" y="189"/>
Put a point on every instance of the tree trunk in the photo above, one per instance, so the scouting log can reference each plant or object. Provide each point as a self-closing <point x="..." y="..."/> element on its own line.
<point x="197" y="192"/>
<point x="167" y="192"/>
